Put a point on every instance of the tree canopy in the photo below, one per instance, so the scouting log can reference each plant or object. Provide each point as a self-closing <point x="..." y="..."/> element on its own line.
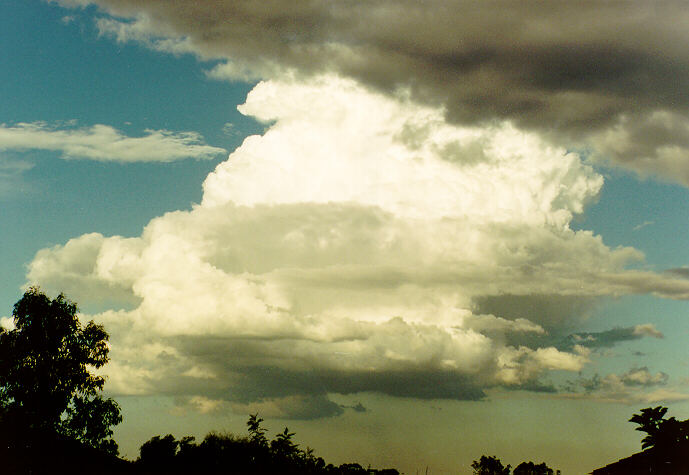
<point x="530" y="468"/>
<point x="661" y="433"/>
<point x="489" y="466"/>
<point x="46" y="383"/>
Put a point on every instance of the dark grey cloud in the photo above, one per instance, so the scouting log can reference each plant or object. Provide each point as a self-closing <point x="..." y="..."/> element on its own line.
<point x="585" y="385"/>
<point x="246" y="376"/>
<point x="679" y="271"/>
<point x="310" y="407"/>
<point x="358" y="407"/>
<point x="306" y="392"/>
<point x="249" y="377"/>
<point x="609" y="338"/>
<point x="622" y="387"/>
<point x="257" y="382"/>
<point x="581" y="70"/>
<point x="559" y="315"/>
<point x="556" y="313"/>
<point x="421" y="384"/>
<point x="535" y="386"/>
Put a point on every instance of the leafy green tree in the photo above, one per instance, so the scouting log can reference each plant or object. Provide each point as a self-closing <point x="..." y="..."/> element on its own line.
<point x="46" y="386"/>
<point x="489" y="466"/>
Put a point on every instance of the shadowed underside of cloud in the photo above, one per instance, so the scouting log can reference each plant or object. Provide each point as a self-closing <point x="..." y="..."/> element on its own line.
<point x="680" y="271"/>
<point x="347" y="251"/>
<point x="606" y="76"/>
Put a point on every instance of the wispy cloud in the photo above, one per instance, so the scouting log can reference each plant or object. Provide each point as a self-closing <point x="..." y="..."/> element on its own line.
<point x="140" y="30"/>
<point x="643" y="225"/>
<point x="11" y="171"/>
<point x="104" y="143"/>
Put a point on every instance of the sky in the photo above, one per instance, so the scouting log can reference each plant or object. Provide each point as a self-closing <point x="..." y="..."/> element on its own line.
<point x="412" y="232"/>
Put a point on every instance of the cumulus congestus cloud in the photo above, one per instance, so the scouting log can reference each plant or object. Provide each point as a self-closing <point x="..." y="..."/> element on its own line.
<point x="362" y="243"/>
<point x="607" y="78"/>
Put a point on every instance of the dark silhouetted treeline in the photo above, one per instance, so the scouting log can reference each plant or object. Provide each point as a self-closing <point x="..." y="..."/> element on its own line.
<point x="43" y="452"/>
<point x="493" y="466"/>
<point x="228" y="453"/>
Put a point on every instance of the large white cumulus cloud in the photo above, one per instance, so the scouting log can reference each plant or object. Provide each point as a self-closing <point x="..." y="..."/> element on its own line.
<point x="349" y="249"/>
<point x="396" y="155"/>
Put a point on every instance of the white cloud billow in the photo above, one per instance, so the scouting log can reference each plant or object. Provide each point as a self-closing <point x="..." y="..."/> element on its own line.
<point x="345" y="248"/>
<point x="336" y="142"/>
<point x="104" y="143"/>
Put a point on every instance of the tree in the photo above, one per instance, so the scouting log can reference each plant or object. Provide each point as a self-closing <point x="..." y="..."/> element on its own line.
<point x="530" y="468"/>
<point x="649" y="421"/>
<point x="257" y="434"/>
<point x="489" y="466"/>
<point x="282" y="446"/>
<point x="159" y="452"/>
<point x="664" y="434"/>
<point x="46" y="386"/>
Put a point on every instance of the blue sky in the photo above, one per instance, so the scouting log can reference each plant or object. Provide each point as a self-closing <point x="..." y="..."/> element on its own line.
<point x="379" y="239"/>
<point x="45" y="78"/>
